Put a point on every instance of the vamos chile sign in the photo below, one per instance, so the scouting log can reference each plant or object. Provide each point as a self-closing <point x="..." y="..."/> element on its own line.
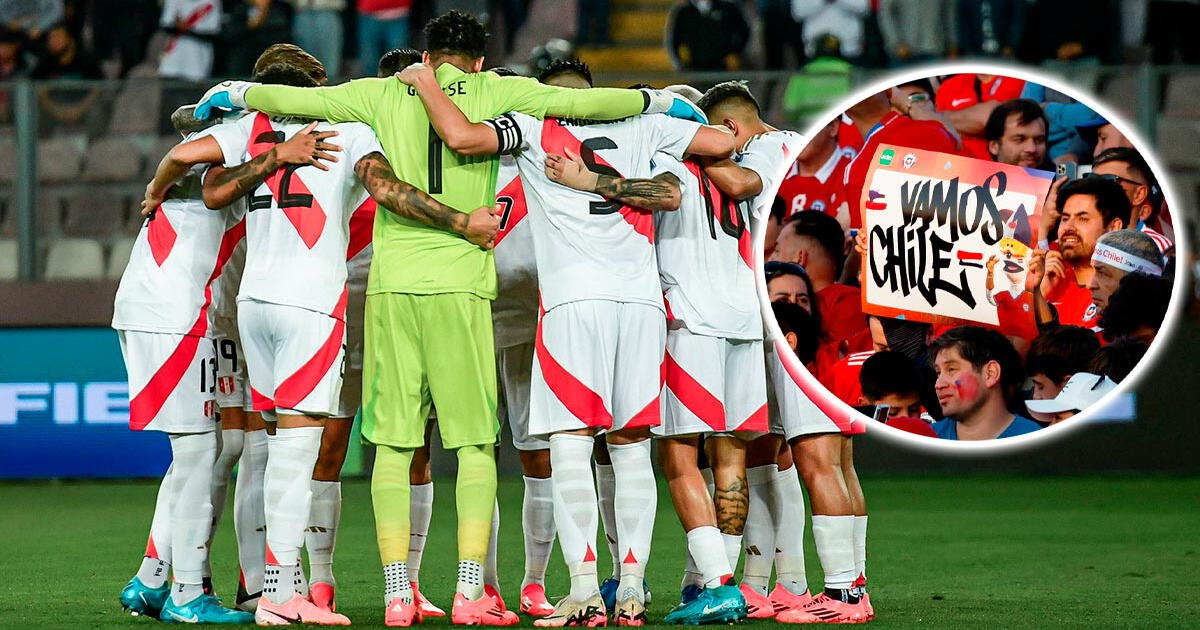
<point x="933" y="220"/>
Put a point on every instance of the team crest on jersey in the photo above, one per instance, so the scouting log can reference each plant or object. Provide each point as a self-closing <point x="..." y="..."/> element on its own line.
<point x="1090" y="313"/>
<point x="225" y="384"/>
<point x="819" y="206"/>
<point x="909" y="160"/>
<point x="209" y="408"/>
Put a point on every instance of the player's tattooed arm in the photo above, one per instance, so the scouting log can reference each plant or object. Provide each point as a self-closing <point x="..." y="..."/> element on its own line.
<point x="405" y="200"/>
<point x="184" y="120"/>
<point x="662" y="192"/>
<point x="223" y="186"/>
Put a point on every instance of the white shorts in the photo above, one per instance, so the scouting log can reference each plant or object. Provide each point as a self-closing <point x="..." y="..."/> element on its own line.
<point x="171" y="381"/>
<point x="294" y="357"/>
<point x="351" y="397"/>
<point x="598" y="364"/>
<point x="714" y="385"/>
<point x="515" y="365"/>
<point x="793" y="413"/>
<point x="233" y="388"/>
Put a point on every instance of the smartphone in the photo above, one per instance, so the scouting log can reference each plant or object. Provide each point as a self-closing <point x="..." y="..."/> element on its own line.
<point x="1070" y="170"/>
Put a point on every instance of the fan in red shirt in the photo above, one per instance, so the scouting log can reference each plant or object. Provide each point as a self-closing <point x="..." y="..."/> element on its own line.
<point x="890" y="378"/>
<point x="816" y="242"/>
<point x="789" y="282"/>
<point x="815" y="179"/>
<point x="968" y="99"/>
<point x="879" y="123"/>
<point x="1088" y="207"/>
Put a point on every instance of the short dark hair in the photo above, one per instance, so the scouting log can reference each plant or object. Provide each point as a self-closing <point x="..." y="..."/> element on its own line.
<point x="788" y="316"/>
<point x="889" y="372"/>
<point x="825" y="230"/>
<point x="284" y="74"/>
<point x="978" y="346"/>
<point x="727" y="91"/>
<point x="1139" y="300"/>
<point x="291" y="55"/>
<point x="1117" y="359"/>
<point x="1026" y="110"/>
<point x="923" y="84"/>
<point x="503" y="71"/>
<point x="456" y="33"/>
<point x="1134" y="160"/>
<point x="1060" y="352"/>
<point x="395" y="60"/>
<point x="1110" y="199"/>
<point x="565" y="66"/>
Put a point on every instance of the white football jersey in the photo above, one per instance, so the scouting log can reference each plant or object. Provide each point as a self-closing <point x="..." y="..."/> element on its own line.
<point x="515" y="309"/>
<point x="706" y="257"/>
<point x="298" y="220"/>
<point x="225" y="287"/>
<point x="588" y="247"/>
<point x="770" y="155"/>
<point x="187" y="57"/>
<point x="180" y="250"/>
<point x="358" y="260"/>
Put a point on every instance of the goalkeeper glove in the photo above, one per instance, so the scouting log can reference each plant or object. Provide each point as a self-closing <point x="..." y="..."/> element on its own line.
<point x="229" y="96"/>
<point x="673" y="105"/>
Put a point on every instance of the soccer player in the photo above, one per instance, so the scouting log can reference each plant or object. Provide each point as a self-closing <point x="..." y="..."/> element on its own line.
<point x="281" y="319"/>
<point x="714" y="349"/>
<point x="428" y="332"/>
<point x="815" y="180"/>
<point x="601" y="331"/>
<point x="162" y="314"/>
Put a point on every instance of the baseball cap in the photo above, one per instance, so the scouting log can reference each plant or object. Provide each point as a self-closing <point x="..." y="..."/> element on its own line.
<point x="1090" y="129"/>
<point x="1078" y="394"/>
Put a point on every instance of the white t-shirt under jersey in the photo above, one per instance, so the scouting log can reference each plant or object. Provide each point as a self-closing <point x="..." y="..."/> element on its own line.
<point x="515" y="309"/>
<point x="706" y="257"/>
<point x="587" y="247"/>
<point x="298" y="220"/>
<point x="179" y="251"/>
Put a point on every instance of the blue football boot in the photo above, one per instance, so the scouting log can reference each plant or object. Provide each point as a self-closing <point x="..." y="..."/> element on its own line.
<point x="203" y="609"/>
<point x="608" y="591"/>
<point x="723" y="604"/>
<point x="140" y="599"/>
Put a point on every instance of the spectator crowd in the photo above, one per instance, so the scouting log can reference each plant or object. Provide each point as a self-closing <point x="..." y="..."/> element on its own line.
<point x="1100" y="268"/>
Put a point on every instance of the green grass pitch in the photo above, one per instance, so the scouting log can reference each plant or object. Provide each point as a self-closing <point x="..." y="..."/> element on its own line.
<point x="944" y="553"/>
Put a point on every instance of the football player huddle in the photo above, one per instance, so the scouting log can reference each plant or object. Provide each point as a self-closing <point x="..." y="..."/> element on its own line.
<point x="421" y="245"/>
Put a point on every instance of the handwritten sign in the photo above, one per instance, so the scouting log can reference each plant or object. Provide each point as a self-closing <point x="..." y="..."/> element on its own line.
<point x="933" y="220"/>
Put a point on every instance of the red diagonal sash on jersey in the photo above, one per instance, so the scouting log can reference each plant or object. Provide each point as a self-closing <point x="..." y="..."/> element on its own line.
<point x="756" y="422"/>
<point x="557" y="139"/>
<point x="309" y="220"/>
<point x="191" y="21"/>
<point x="586" y="405"/>
<point x="362" y="222"/>
<point x="694" y="396"/>
<point x="745" y="241"/>
<point x="161" y="236"/>
<point x="513" y="193"/>
<point x="149" y="400"/>
<point x="299" y="385"/>
<point x="651" y="414"/>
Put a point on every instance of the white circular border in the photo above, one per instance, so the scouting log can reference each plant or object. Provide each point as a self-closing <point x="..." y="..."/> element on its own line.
<point x="1061" y="429"/>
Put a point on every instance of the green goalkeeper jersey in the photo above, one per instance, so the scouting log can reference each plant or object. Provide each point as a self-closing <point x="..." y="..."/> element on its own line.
<point x="411" y="257"/>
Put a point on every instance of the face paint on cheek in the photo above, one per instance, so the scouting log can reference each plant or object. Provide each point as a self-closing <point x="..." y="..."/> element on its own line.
<point x="966" y="387"/>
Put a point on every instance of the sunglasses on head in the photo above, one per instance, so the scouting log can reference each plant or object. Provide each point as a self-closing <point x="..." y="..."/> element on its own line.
<point x="1115" y="178"/>
<point x="774" y="269"/>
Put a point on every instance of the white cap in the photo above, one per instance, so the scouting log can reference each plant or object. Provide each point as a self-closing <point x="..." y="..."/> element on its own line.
<point x="1080" y="392"/>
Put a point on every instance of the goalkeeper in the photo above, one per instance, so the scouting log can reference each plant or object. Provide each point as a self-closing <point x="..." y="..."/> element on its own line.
<point x="428" y="314"/>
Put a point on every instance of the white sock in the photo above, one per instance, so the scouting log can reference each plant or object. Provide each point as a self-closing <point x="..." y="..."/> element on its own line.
<point x="575" y="510"/>
<point x="788" y="504"/>
<point x="860" y="546"/>
<point x="229" y="449"/>
<point x="321" y="535"/>
<point x="691" y="573"/>
<point x="759" y="535"/>
<point x="491" y="572"/>
<point x="606" y="482"/>
<point x="249" y="517"/>
<point x="396" y="583"/>
<point x="635" y="503"/>
<point x="704" y="547"/>
<point x="834" y="537"/>
<point x="537" y="525"/>
<point x="420" y="513"/>
<point x="287" y="499"/>
<point x="156" y="562"/>
<point x="192" y="457"/>
<point x="470" y="579"/>
<point x="733" y="550"/>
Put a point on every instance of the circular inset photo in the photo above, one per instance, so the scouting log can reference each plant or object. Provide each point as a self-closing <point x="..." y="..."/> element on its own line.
<point x="968" y="253"/>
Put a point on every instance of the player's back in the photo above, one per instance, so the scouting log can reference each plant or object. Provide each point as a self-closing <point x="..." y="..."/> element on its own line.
<point x="589" y="247"/>
<point x="705" y="257"/>
<point x="165" y="286"/>
<point x="297" y="222"/>
<point x="514" y="312"/>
